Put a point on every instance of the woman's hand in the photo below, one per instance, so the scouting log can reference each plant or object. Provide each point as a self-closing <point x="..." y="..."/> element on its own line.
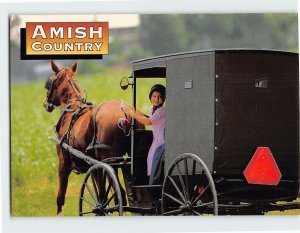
<point x="132" y="113"/>
<point x="139" y="118"/>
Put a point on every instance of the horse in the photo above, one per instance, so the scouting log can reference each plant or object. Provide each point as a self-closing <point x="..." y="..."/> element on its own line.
<point x="93" y="130"/>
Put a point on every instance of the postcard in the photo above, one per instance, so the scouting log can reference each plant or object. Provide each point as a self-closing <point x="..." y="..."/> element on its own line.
<point x="154" y="114"/>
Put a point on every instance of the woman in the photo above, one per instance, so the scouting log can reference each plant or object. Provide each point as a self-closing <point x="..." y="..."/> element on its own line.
<point x="157" y="121"/>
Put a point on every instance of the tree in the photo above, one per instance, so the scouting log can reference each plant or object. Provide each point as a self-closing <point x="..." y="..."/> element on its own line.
<point x="163" y="34"/>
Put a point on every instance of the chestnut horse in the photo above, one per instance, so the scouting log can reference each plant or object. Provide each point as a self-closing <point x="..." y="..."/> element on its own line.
<point x="90" y="129"/>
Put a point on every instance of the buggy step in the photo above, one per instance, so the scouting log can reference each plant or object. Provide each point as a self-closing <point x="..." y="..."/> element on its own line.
<point x="146" y="186"/>
<point x="140" y="210"/>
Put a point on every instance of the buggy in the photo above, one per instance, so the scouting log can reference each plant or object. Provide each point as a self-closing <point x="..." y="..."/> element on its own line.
<point x="232" y="137"/>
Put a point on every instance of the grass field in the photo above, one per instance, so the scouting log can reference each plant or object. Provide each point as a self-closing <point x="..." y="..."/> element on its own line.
<point x="34" y="179"/>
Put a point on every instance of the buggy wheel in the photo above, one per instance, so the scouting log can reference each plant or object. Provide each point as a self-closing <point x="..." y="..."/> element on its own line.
<point x="100" y="193"/>
<point x="188" y="188"/>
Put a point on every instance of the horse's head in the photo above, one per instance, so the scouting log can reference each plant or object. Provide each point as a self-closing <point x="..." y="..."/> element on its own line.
<point x="61" y="87"/>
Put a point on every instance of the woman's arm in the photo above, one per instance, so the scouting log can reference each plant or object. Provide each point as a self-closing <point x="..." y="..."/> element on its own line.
<point x="139" y="118"/>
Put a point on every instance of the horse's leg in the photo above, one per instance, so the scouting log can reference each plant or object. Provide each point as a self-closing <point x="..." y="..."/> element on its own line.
<point x="64" y="170"/>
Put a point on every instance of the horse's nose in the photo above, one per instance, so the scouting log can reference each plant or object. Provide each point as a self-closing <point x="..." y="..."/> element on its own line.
<point x="48" y="107"/>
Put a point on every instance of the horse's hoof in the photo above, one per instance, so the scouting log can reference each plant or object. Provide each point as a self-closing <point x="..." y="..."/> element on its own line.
<point x="60" y="214"/>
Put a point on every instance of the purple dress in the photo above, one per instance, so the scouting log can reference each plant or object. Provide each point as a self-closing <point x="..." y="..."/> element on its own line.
<point x="158" y="120"/>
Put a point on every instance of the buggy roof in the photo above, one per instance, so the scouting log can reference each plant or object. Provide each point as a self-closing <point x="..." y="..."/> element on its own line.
<point x="155" y="66"/>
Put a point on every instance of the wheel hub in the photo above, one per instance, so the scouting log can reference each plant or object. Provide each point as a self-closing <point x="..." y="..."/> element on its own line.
<point x="98" y="210"/>
<point x="187" y="206"/>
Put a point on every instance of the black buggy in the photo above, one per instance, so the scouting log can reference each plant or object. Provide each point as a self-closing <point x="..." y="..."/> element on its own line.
<point x="232" y="138"/>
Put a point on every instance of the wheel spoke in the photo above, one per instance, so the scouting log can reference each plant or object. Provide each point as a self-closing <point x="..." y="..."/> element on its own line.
<point x="173" y="198"/>
<point x="193" y="178"/>
<point x="108" y="201"/>
<point x="194" y="168"/>
<point x="181" y="180"/>
<point x="176" y="187"/>
<point x="200" y="180"/>
<point x="193" y="175"/>
<point x="102" y="190"/>
<point x="195" y="212"/>
<point x="88" y="212"/>
<point x="108" y="189"/>
<point x="90" y="191"/>
<point x="186" y="178"/>
<point x="198" y="198"/>
<point x="87" y="201"/>
<point x="194" y="194"/>
<point x="203" y="205"/>
<point x="95" y="186"/>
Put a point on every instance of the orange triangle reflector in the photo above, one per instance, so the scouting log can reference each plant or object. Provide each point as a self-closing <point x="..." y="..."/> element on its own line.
<point x="262" y="168"/>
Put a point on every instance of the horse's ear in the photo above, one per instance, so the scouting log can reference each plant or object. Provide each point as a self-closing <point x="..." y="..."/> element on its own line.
<point x="74" y="67"/>
<point x="54" y="67"/>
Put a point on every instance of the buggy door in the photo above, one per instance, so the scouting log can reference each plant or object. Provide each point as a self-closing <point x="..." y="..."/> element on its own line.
<point x="143" y="80"/>
<point x="191" y="113"/>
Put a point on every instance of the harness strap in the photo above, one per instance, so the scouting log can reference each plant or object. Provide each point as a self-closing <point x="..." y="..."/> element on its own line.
<point x="93" y="142"/>
<point x="67" y="108"/>
<point x="76" y="114"/>
<point x="98" y="145"/>
<point x="63" y="111"/>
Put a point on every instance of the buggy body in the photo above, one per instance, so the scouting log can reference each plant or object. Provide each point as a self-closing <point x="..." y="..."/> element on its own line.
<point x="222" y="106"/>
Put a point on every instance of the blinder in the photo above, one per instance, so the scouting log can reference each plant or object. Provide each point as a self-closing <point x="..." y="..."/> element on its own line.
<point x="49" y="84"/>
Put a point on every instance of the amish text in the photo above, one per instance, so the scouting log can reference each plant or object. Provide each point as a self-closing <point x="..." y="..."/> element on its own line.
<point x="67" y="38"/>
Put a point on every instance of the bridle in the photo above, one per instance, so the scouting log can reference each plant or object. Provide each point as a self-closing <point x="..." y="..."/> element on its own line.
<point x="49" y="85"/>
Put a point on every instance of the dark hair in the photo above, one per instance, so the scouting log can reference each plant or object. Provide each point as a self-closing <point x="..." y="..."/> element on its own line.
<point x="158" y="88"/>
